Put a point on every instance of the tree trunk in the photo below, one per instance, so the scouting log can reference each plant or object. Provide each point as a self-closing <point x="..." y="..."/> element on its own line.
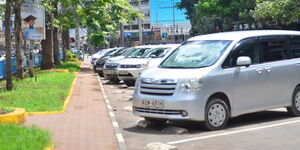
<point x="47" y="45"/>
<point x="9" y="81"/>
<point x="56" y="46"/>
<point x="19" y="51"/>
<point x="55" y="38"/>
<point x="66" y="43"/>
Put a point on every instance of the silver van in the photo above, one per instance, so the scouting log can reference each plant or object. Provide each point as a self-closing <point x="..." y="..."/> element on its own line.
<point x="214" y="77"/>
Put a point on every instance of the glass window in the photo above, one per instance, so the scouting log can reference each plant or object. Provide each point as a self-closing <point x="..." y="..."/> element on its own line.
<point x="249" y="47"/>
<point x="196" y="54"/>
<point x="295" y="46"/>
<point x="146" y="26"/>
<point x="135" y="27"/>
<point x="127" y="27"/>
<point x="156" y="53"/>
<point x="136" y="52"/>
<point x="274" y="49"/>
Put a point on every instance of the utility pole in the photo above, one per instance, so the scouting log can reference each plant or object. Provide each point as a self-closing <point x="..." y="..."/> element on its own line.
<point x="121" y="44"/>
<point x="140" y="25"/>
<point x="174" y="21"/>
<point x="77" y="37"/>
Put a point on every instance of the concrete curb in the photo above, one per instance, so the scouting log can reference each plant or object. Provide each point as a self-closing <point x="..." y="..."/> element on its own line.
<point x="51" y="147"/>
<point x="66" y="103"/>
<point x="56" y="70"/>
<point x="16" y="117"/>
<point x="119" y="136"/>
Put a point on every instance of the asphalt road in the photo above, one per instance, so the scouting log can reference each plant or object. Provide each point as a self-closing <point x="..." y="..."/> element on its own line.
<point x="273" y="129"/>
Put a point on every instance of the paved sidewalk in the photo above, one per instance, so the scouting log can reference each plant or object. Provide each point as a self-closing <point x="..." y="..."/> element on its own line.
<point x="86" y="124"/>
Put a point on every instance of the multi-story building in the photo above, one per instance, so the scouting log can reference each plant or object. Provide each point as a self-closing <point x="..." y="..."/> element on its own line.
<point x="162" y="23"/>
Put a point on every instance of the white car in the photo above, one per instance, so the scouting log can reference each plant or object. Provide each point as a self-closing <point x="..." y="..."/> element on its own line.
<point x="111" y="66"/>
<point x="100" y="54"/>
<point x="130" y="68"/>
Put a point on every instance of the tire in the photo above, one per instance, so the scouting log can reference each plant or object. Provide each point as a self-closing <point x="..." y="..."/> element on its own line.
<point x="114" y="80"/>
<point x="294" y="110"/>
<point x="129" y="83"/>
<point x="216" y="114"/>
<point x="100" y="73"/>
<point x="156" y="121"/>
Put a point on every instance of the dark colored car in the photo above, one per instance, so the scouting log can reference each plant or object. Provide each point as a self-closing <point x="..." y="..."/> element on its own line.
<point x="98" y="67"/>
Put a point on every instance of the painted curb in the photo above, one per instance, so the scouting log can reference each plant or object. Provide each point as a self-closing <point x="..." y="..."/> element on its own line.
<point x="51" y="147"/>
<point x="56" y="70"/>
<point x="16" y="117"/>
<point x="66" y="103"/>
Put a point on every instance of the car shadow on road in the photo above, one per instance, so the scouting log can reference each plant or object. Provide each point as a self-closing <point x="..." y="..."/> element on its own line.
<point x="195" y="127"/>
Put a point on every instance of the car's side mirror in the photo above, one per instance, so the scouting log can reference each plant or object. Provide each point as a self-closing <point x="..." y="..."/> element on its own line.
<point x="243" y="61"/>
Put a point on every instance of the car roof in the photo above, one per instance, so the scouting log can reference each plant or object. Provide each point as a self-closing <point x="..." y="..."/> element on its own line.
<point x="238" y="35"/>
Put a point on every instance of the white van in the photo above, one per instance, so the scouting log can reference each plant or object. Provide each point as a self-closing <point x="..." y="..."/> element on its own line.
<point x="213" y="77"/>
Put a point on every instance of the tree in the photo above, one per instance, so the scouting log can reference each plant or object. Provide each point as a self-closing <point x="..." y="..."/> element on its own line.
<point x="104" y="17"/>
<point x="47" y="44"/>
<point x="19" y="51"/>
<point x="55" y="36"/>
<point x="9" y="82"/>
<point x="221" y="15"/>
<point x="189" y="6"/>
<point x="277" y="13"/>
<point x="67" y="19"/>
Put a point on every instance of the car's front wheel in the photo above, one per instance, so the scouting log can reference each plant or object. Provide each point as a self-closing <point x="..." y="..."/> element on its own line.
<point x="100" y="73"/>
<point x="129" y="83"/>
<point x="216" y="114"/>
<point x="294" y="110"/>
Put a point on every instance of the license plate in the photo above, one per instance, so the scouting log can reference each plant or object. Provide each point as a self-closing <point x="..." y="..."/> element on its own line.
<point x="98" y="68"/>
<point x="123" y="72"/>
<point x="110" y="71"/>
<point x="158" y="104"/>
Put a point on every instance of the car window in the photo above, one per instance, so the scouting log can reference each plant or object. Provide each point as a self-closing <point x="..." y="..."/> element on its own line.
<point x="156" y="53"/>
<point x="249" y="47"/>
<point x="294" y="47"/>
<point x="136" y="53"/>
<point x="274" y="49"/>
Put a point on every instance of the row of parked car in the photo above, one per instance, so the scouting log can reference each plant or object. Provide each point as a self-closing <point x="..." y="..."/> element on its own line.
<point x="211" y="78"/>
<point x="127" y="64"/>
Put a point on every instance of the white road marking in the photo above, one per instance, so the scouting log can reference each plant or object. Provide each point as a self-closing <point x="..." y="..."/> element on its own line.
<point x="115" y="124"/>
<point x="232" y="132"/>
<point x="119" y="136"/>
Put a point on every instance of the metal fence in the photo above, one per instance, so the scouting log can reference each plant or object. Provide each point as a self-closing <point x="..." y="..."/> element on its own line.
<point x="37" y="62"/>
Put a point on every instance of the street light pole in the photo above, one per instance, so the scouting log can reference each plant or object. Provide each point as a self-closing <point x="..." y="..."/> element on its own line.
<point x="140" y="25"/>
<point x="174" y="21"/>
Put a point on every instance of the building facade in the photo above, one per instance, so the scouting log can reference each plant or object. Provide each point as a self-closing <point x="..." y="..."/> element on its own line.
<point x="162" y="23"/>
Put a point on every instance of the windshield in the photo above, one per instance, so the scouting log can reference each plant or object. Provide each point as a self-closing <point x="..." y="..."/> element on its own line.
<point x="120" y="52"/>
<point x="156" y="53"/>
<point x="136" y="52"/>
<point x="196" y="54"/>
<point x="110" y="52"/>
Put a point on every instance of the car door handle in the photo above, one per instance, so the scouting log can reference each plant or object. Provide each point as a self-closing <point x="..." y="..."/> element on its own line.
<point x="268" y="69"/>
<point x="259" y="71"/>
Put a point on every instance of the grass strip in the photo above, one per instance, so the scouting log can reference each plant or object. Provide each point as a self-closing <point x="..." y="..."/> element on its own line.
<point x="47" y="92"/>
<point x="72" y="66"/>
<point x="13" y="137"/>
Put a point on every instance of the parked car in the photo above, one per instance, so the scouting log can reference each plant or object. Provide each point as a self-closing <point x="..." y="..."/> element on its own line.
<point x="130" y="68"/>
<point x="99" y="64"/>
<point x="214" y="77"/>
<point x="100" y="54"/>
<point x="111" y="66"/>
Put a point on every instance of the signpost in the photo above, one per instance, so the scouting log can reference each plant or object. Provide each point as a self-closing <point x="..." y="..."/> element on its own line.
<point x="33" y="26"/>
